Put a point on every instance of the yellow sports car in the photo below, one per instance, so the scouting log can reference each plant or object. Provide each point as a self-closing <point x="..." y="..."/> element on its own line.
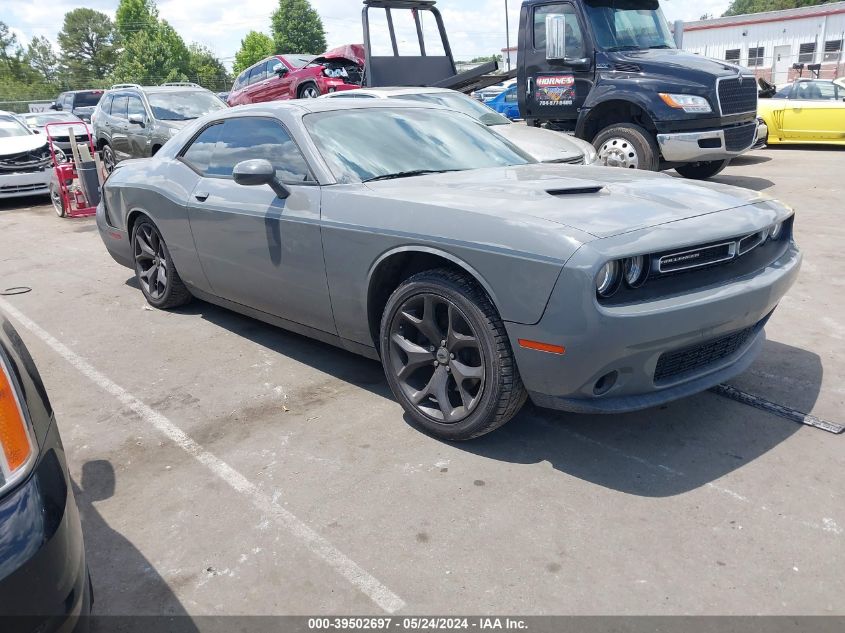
<point x="807" y="111"/>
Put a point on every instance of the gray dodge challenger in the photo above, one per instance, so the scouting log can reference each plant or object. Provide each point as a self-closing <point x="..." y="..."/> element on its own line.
<point x="413" y="234"/>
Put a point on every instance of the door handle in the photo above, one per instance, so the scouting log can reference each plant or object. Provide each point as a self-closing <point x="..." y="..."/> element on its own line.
<point x="528" y="88"/>
<point x="202" y="196"/>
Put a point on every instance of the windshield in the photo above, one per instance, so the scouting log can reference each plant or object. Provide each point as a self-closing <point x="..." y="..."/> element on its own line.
<point x="628" y="25"/>
<point x="299" y="61"/>
<point x="363" y="144"/>
<point x="12" y="127"/>
<point x="86" y="99"/>
<point x="461" y="103"/>
<point x="183" y="106"/>
<point x="40" y="120"/>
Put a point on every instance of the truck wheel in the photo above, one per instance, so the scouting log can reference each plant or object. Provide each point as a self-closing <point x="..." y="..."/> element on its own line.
<point x="447" y="356"/>
<point x="702" y="171"/>
<point x="627" y="145"/>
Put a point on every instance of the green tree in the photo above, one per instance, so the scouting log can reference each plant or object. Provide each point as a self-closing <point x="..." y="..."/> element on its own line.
<point x="206" y="70"/>
<point x="89" y="52"/>
<point x="741" y="7"/>
<point x="133" y="16"/>
<point x="41" y="58"/>
<point x="153" y="56"/>
<point x="298" y="28"/>
<point x="11" y="54"/>
<point x="254" y="47"/>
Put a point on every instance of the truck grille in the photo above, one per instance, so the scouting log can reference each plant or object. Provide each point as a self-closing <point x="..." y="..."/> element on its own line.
<point x="740" y="137"/>
<point x="737" y="97"/>
<point x="672" y="364"/>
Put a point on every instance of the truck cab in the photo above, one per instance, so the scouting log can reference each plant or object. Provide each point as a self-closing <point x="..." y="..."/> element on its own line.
<point x="609" y="71"/>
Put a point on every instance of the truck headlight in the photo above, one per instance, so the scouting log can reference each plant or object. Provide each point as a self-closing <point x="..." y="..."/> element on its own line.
<point x="688" y="103"/>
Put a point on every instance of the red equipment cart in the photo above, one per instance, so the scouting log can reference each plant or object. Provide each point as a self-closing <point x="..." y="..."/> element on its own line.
<point x="66" y="191"/>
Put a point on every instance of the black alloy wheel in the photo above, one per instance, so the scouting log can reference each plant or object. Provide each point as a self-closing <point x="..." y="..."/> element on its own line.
<point x="447" y="357"/>
<point x="154" y="269"/>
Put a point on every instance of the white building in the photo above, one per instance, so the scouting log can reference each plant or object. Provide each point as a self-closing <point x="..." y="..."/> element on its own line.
<point x="771" y="43"/>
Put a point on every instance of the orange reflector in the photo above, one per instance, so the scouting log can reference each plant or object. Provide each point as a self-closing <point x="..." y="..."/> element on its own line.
<point x="542" y="347"/>
<point x="14" y="439"/>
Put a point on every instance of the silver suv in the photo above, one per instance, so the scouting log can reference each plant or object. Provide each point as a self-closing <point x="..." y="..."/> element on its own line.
<point x="133" y="121"/>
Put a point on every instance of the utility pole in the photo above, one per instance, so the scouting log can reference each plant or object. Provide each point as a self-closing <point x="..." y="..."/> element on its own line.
<point x="507" y="35"/>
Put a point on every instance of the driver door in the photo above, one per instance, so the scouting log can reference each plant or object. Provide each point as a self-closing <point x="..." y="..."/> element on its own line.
<point x="559" y="65"/>
<point x="257" y="249"/>
<point x="818" y="114"/>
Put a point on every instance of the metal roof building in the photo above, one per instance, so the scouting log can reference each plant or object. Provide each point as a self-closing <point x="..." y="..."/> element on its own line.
<point x="771" y="43"/>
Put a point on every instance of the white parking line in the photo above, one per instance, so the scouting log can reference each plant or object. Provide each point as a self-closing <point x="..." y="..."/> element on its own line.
<point x="342" y="564"/>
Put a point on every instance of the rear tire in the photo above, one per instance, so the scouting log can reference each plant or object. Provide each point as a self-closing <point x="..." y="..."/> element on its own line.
<point x="627" y="145"/>
<point x="154" y="268"/>
<point x="474" y="373"/>
<point x="702" y="171"/>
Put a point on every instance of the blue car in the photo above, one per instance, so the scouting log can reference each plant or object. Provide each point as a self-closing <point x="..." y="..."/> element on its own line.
<point x="506" y="103"/>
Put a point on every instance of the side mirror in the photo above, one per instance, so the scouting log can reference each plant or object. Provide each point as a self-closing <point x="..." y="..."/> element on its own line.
<point x="56" y="106"/>
<point x="35" y="131"/>
<point x="280" y="69"/>
<point x="137" y="119"/>
<point x="555" y="36"/>
<point x="259" y="171"/>
<point x="556" y="41"/>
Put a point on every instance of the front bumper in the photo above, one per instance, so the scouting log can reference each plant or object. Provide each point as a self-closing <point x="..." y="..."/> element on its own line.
<point x="627" y="341"/>
<point x="44" y="583"/>
<point x="30" y="183"/>
<point x="700" y="146"/>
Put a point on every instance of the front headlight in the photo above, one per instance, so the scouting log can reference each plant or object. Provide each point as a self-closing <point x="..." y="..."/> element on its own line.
<point x="607" y="281"/>
<point x="775" y="231"/>
<point x="590" y="155"/>
<point x="17" y="447"/>
<point x="688" y="103"/>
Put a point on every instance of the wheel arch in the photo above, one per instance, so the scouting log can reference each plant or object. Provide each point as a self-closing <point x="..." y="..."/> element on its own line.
<point x="304" y="83"/>
<point x="613" y="111"/>
<point x="398" y="264"/>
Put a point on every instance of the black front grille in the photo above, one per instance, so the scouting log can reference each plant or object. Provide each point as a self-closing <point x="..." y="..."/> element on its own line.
<point x="737" y="97"/>
<point x="690" y="359"/>
<point x="24" y="162"/>
<point x="740" y="137"/>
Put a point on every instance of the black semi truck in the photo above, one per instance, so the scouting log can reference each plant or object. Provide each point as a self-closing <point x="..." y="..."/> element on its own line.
<point x="609" y="71"/>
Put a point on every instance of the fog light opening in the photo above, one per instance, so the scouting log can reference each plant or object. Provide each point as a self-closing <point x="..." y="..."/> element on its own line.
<point x="605" y="383"/>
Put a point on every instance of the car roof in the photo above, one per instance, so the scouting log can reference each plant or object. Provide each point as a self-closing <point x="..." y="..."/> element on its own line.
<point x="159" y="89"/>
<point x="300" y="107"/>
<point x="392" y="91"/>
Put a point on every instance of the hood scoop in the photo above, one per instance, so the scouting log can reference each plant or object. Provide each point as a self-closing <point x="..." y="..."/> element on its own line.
<point x="574" y="191"/>
<point x="627" y="67"/>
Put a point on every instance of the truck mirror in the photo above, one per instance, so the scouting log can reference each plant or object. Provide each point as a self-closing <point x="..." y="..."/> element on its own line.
<point x="555" y="36"/>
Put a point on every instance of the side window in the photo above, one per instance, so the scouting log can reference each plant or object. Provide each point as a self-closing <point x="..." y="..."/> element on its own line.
<point x="825" y="91"/>
<point x="105" y="103"/>
<point x="136" y="106"/>
<point x="574" y="38"/>
<point x="199" y="152"/>
<point x="68" y="104"/>
<point x="784" y="93"/>
<point x="243" y="79"/>
<point x="254" y="137"/>
<point x="119" y="106"/>
<point x="270" y="66"/>
<point x="259" y="73"/>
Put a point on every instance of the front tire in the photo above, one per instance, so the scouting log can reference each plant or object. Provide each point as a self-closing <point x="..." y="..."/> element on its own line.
<point x="109" y="159"/>
<point x="627" y="145"/>
<point x="56" y="199"/>
<point x="309" y="91"/>
<point x="702" y="171"/>
<point x="447" y="356"/>
<point x="154" y="269"/>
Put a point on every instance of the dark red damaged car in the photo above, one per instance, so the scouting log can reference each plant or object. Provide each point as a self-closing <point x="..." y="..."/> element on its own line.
<point x="295" y="76"/>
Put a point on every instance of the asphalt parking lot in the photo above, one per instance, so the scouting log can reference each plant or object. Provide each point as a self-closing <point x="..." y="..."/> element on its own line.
<point x="223" y="466"/>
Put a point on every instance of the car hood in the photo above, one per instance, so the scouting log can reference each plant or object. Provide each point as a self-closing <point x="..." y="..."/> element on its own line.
<point x="61" y="130"/>
<point x="599" y="201"/>
<point x="544" y="145"/>
<point x="12" y="145"/>
<point x="350" y="52"/>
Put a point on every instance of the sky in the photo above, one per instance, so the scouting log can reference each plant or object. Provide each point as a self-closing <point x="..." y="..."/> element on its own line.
<point x="475" y="27"/>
